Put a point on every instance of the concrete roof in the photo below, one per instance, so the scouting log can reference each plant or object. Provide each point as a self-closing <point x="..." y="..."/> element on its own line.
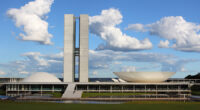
<point x="100" y="83"/>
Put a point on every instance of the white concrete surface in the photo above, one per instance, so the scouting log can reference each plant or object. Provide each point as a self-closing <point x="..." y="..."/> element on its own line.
<point x="144" y="77"/>
<point x="69" y="46"/>
<point x="84" y="33"/>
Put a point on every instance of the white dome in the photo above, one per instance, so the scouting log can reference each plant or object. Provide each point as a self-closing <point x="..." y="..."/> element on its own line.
<point x="41" y="77"/>
<point x="144" y="77"/>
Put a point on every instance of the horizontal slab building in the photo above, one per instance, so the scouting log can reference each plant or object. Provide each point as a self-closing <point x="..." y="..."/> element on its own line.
<point x="132" y="91"/>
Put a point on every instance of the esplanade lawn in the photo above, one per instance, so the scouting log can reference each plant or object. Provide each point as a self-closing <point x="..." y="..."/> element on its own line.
<point x="142" y="105"/>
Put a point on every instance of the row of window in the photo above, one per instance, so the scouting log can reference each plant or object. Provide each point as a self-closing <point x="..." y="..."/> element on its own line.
<point x="132" y="87"/>
<point x="35" y="87"/>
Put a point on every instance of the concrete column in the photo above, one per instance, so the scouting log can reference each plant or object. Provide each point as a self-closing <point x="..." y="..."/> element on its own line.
<point x="122" y="89"/>
<point x="6" y="90"/>
<point x="41" y="90"/>
<point x="83" y="64"/>
<point x="99" y="88"/>
<point x="87" y="88"/>
<point x="145" y="91"/>
<point x="52" y="88"/>
<point x="111" y="88"/>
<point x="69" y="47"/>
<point x="18" y="89"/>
<point x="156" y="91"/>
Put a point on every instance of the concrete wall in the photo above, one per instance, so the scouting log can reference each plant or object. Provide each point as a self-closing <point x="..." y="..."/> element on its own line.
<point x="84" y="25"/>
<point x="69" y="46"/>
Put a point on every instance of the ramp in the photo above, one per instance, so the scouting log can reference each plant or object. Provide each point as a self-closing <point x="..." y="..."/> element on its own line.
<point x="71" y="93"/>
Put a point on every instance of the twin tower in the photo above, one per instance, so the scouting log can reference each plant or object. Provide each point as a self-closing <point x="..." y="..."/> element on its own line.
<point x="71" y="51"/>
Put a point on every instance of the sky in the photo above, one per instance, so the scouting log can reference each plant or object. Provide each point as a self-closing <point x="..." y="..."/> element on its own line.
<point x="124" y="35"/>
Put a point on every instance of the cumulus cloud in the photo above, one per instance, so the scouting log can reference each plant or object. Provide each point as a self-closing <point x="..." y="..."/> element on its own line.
<point x="176" y="65"/>
<point x="108" y="57"/>
<point x="31" y="18"/>
<point x="128" y="68"/>
<point x="101" y="63"/>
<point x="23" y="72"/>
<point x="163" y="44"/>
<point x="2" y="73"/>
<point x="184" y="35"/>
<point x="32" y="62"/>
<point x="105" y="26"/>
<point x="95" y="72"/>
<point x="136" y="27"/>
<point x="36" y="58"/>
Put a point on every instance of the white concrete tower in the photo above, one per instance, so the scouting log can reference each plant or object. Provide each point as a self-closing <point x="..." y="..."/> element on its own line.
<point x="70" y="51"/>
<point x="69" y="47"/>
<point x="83" y="48"/>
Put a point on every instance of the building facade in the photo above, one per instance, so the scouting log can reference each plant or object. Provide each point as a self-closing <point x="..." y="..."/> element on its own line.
<point x="136" y="91"/>
<point x="70" y="49"/>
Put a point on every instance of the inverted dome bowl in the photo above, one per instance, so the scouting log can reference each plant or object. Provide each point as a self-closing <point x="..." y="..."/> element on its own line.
<point x="144" y="77"/>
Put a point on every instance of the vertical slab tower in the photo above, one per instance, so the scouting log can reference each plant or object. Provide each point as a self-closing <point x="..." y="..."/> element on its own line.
<point x="70" y="51"/>
<point x="69" y="47"/>
<point x="83" y="42"/>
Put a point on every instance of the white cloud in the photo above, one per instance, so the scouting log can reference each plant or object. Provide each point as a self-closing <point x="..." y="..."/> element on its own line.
<point x="117" y="63"/>
<point x="103" y="62"/>
<point x="95" y="72"/>
<point x="163" y="44"/>
<point x="184" y="35"/>
<point x="23" y="72"/>
<point x="177" y="65"/>
<point x="2" y="73"/>
<point x="32" y="62"/>
<point x="183" y="69"/>
<point x="31" y="17"/>
<point x="108" y="57"/>
<point x="128" y="68"/>
<point x="36" y="58"/>
<point x="136" y="27"/>
<point x="105" y="26"/>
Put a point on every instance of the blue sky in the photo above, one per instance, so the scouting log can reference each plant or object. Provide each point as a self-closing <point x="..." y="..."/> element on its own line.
<point x="175" y="22"/>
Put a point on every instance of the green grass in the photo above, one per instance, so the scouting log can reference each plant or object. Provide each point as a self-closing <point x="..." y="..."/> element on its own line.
<point x="130" y="106"/>
<point x="54" y="94"/>
<point x="87" y="95"/>
<point x="196" y="93"/>
<point x="2" y="92"/>
<point x="57" y="94"/>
